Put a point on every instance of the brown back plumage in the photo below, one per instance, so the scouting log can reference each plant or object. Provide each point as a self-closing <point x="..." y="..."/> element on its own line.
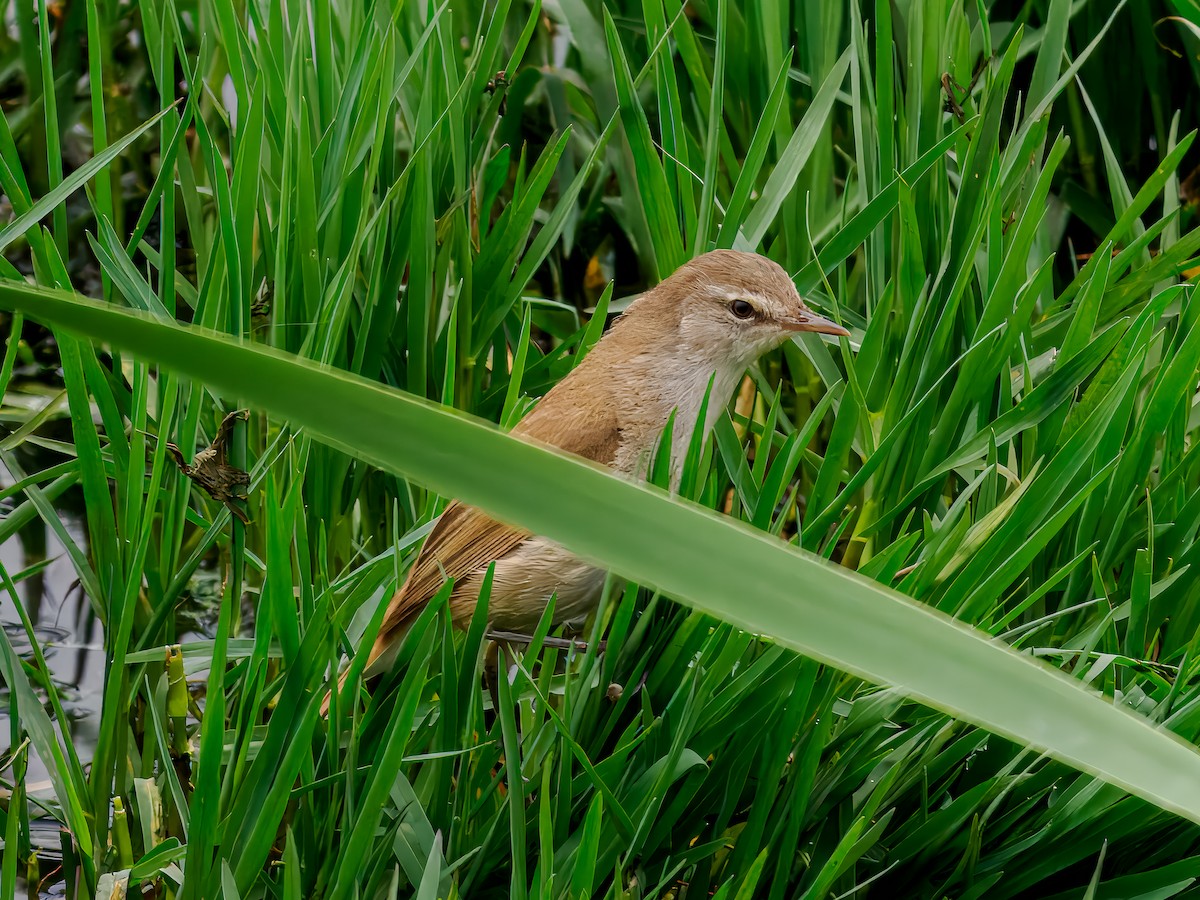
<point x="466" y="540"/>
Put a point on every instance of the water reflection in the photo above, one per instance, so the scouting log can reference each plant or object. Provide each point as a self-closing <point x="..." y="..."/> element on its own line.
<point x="66" y="627"/>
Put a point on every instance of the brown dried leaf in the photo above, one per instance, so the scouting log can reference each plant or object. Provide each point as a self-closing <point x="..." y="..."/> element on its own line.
<point x="211" y="470"/>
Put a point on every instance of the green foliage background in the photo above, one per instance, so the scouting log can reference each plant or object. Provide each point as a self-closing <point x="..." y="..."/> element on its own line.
<point x="999" y="199"/>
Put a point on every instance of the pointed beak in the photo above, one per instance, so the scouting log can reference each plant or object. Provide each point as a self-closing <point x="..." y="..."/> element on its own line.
<point x="810" y="321"/>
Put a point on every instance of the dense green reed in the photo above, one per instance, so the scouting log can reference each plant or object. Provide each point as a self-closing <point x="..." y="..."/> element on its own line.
<point x="446" y="199"/>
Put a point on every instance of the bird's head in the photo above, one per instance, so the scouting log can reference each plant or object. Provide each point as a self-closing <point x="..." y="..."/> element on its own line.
<point x="736" y="305"/>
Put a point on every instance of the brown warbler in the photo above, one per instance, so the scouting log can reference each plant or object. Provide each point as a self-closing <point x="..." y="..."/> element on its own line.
<point x="705" y="323"/>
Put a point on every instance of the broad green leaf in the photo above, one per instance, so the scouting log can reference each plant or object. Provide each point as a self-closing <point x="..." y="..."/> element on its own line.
<point x="692" y="554"/>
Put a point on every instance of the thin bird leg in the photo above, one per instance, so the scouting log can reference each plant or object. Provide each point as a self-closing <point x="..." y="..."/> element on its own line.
<point x="496" y="665"/>
<point x="491" y="674"/>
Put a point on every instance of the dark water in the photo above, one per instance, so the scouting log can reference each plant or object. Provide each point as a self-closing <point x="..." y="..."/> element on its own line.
<point x="70" y="637"/>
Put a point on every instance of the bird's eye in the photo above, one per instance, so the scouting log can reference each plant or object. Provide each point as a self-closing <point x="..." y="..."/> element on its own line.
<point x="743" y="309"/>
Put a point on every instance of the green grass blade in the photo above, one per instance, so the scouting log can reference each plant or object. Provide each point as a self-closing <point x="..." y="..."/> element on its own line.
<point x="73" y="182"/>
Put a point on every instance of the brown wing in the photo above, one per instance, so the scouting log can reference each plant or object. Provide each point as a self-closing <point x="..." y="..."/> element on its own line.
<point x="465" y="540"/>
